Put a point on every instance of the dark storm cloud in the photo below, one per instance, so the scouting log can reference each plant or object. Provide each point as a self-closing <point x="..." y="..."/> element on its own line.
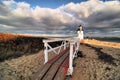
<point x="37" y="19"/>
<point x="4" y="10"/>
<point x="103" y="19"/>
<point x="96" y="16"/>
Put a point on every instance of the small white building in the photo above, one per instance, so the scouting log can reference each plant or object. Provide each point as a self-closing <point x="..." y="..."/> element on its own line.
<point x="80" y="32"/>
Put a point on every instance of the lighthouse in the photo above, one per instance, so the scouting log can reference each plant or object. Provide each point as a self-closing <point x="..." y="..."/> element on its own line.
<point x="80" y="32"/>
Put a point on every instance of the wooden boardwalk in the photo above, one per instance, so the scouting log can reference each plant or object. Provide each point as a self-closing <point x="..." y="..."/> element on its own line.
<point x="54" y="69"/>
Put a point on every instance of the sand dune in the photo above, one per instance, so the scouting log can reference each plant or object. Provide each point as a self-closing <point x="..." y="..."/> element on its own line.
<point x="102" y="43"/>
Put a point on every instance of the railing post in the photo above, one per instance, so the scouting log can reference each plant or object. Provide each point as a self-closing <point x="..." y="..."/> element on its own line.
<point x="45" y="52"/>
<point x="70" y="69"/>
<point x="78" y="43"/>
<point x="77" y="47"/>
<point x="64" y="45"/>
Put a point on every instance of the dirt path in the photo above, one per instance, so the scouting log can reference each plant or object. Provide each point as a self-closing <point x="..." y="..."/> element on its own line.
<point x="97" y="63"/>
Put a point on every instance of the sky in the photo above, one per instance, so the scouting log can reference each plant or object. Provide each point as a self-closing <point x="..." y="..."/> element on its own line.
<point x="60" y="17"/>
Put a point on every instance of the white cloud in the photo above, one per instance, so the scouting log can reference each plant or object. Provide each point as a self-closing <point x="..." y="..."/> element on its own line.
<point x="6" y="26"/>
<point x="92" y="14"/>
<point x="8" y="2"/>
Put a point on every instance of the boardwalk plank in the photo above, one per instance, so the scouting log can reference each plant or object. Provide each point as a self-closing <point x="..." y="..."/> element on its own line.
<point x="40" y="74"/>
<point x="50" y="69"/>
<point x="60" y="75"/>
<point x="63" y="70"/>
<point x="52" y="72"/>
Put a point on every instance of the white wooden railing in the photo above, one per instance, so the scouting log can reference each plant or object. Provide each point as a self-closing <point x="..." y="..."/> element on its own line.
<point x="74" y="47"/>
<point x="48" y="48"/>
<point x="73" y="43"/>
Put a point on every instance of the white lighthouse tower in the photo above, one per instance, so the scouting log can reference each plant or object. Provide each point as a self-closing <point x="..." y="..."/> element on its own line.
<point x="80" y="32"/>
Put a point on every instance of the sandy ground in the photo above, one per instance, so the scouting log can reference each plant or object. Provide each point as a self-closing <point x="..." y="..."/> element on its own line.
<point x="21" y="68"/>
<point x="97" y="63"/>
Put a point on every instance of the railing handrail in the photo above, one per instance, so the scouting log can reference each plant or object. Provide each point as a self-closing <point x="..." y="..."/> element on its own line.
<point x="74" y="46"/>
<point x="56" y="40"/>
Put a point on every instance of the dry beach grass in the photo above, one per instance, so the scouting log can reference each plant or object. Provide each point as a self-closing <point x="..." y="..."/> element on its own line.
<point x="102" y="43"/>
<point x="95" y="62"/>
<point x="21" y="56"/>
